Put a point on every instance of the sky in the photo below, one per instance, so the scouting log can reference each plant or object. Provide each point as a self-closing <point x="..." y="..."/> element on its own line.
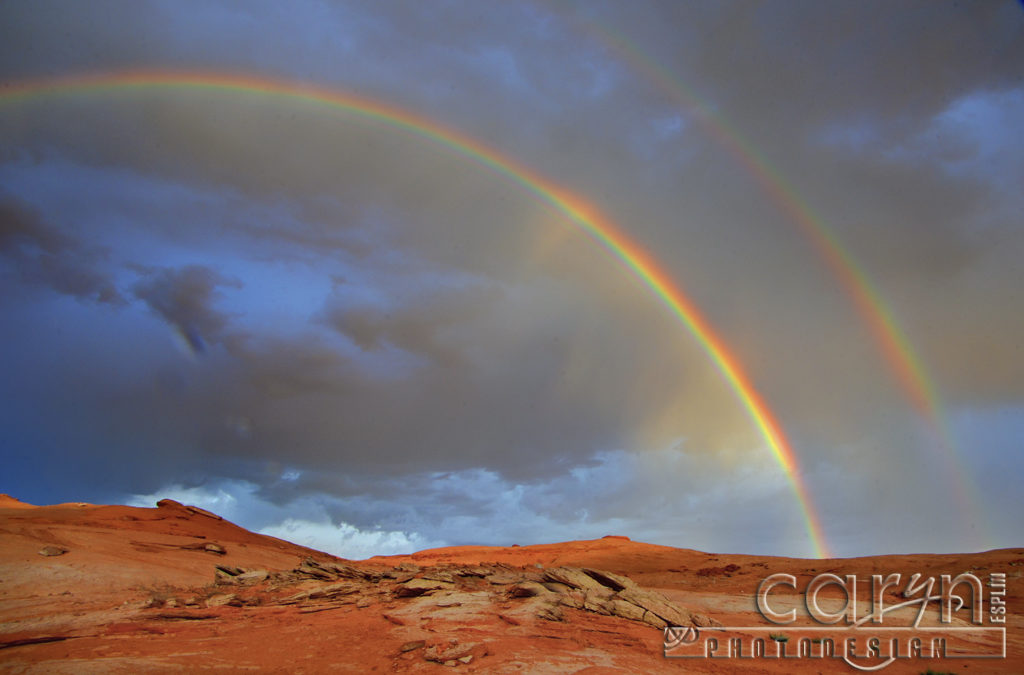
<point x="355" y="331"/>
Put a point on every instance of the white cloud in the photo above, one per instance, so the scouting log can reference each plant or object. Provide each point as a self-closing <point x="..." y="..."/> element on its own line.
<point x="666" y="497"/>
<point x="221" y="500"/>
<point x="239" y="502"/>
<point x="346" y="540"/>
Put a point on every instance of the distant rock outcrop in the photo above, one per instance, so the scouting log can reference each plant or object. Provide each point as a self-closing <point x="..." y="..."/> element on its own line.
<point x="9" y="502"/>
<point x="544" y="592"/>
<point x="172" y="505"/>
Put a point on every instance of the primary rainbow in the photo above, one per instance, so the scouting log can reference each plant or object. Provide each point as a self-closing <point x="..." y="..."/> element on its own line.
<point x="611" y="237"/>
<point x="904" y="363"/>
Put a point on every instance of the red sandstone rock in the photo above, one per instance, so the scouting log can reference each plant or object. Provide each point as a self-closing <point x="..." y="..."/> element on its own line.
<point x="138" y="573"/>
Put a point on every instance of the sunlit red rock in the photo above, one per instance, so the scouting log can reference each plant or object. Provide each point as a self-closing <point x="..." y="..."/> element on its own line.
<point x="178" y="589"/>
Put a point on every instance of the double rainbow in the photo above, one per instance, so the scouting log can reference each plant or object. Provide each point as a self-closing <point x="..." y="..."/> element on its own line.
<point x="903" y="361"/>
<point x="611" y="237"/>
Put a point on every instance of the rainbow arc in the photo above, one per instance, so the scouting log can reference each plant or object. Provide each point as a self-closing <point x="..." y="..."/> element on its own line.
<point x="903" y="361"/>
<point x="638" y="261"/>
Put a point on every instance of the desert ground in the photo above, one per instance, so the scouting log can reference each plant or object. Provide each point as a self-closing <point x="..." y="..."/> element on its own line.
<point x="117" y="589"/>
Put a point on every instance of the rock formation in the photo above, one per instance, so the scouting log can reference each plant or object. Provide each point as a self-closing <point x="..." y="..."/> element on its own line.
<point x="543" y="590"/>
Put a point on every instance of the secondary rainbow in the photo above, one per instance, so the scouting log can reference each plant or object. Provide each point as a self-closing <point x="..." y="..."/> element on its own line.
<point x="906" y="366"/>
<point x="610" y="236"/>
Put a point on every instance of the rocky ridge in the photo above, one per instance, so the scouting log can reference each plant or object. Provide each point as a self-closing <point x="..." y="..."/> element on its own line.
<point x="136" y="590"/>
<point x="316" y="586"/>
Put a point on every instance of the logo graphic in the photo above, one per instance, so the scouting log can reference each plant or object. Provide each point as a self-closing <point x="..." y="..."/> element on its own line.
<point x="834" y="629"/>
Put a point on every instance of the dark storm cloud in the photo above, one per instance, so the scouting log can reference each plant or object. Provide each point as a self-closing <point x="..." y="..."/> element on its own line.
<point x="41" y="254"/>
<point x="822" y="62"/>
<point x="427" y="326"/>
<point x="327" y="413"/>
<point x="183" y="297"/>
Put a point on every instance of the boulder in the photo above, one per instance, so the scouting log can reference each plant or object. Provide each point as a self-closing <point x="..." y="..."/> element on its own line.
<point x="573" y="598"/>
<point x="626" y="610"/>
<point x="556" y="587"/>
<point x="656" y="605"/>
<point x="598" y="601"/>
<point x="528" y="589"/>
<point x="252" y="577"/>
<point x="230" y="571"/>
<point x="202" y="512"/>
<point x="615" y="582"/>
<point x="573" y="577"/>
<point x="52" y="550"/>
<point x="418" y="586"/>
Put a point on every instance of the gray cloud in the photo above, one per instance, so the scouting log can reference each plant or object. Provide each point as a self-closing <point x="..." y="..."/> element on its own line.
<point x="183" y="298"/>
<point x="41" y="254"/>
<point x="867" y="60"/>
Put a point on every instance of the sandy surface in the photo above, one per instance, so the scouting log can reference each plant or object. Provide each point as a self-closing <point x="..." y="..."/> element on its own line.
<point x="136" y="590"/>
